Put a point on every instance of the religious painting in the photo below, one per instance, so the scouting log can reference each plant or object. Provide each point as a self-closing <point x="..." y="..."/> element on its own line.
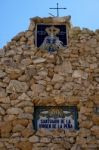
<point x="51" y="37"/>
<point x="53" y="117"/>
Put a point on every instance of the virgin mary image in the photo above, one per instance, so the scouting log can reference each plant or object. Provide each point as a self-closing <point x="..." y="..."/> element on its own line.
<point x="52" y="42"/>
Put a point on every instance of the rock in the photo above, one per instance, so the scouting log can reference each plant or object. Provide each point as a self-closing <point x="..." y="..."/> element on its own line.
<point x="37" y="89"/>
<point x="17" y="59"/>
<point x="92" y="146"/>
<point x="45" y="140"/>
<point x="77" y="74"/>
<point x="43" y="133"/>
<point x="24" y="104"/>
<point x="2" y="74"/>
<point x="5" y="100"/>
<point x="28" y="109"/>
<point x="50" y="73"/>
<point x="39" y="147"/>
<point x="19" y="51"/>
<point x="62" y="19"/>
<point x="28" y="34"/>
<point x="25" y="116"/>
<point x="50" y="56"/>
<point x="91" y="140"/>
<point x="1" y="145"/>
<point x="49" y="88"/>
<point x="10" y="53"/>
<point x="95" y="119"/>
<point x="96" y="99"/>
<point x="13" y="98"/>
<point x="22" y="39"/>
<point x="14" y="135"/>
<point x="24" y="145"/>
<point x="39" y="60"/>
<point x="56" y="146"/>
<point x="2" y="111"/>
<point x="38" y="78"/>
<point x="67" y="87"/>
<point x="29" y="52"/>
<point x="76" y="147"/>
<point x="90" y="104"/>
<point x="4" y="148"/>
<point x="3" y="85"/>
<point x="13" y="72"/>
<point x="5" y="106"/>
<point x="66" y="145"/>
<point x="23" y="97"/>
<point x="31" y="71"/>
<point x="60" y="68"/>
<point x="43" y="73"/>
<point x="57" y="78"/>
<point x="23" y="78"/>
<point x="14" y="140"/>
<point x="2" y="93"/>
<point x="84" y="133"/>
<point x="14" y="111"/>
<point x="57" y="86"/>
<point x="6" y="80"/>
<point x="17" y="86"/>
<point x="73" y="100"/>
<point x="95" y="130"/>
<point x="97" y="80"/>
<point x="57" y="133"/>
<point x="23" y="122"/>
<point x="42" y="82"/>
<point x="71" y="140"/>
<point x="93" y="66"/>
<point x="27" y="132"/>
<point x="9" y="117"/>
<point x="6" y="128"/>
<point x="26" y="62"/>
<point x="85" y="110"/>
<point x="32" y="26"/>
<point x="34" y="139"/>
<point x="2" y="52"/>
<point x="18" y="128"/>
<point x="60" y="100"/>
<point x="18" y="36"/>
<point x="86" y="124"/>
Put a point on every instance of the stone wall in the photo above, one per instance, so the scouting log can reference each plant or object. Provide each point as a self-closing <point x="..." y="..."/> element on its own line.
<point x="30" y="76"/>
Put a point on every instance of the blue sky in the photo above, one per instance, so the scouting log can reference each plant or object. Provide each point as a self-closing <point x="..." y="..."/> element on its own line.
<point x="15" y="14"/>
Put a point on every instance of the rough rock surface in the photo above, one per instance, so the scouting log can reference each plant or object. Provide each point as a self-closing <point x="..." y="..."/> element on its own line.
<point x="30" y="76"/>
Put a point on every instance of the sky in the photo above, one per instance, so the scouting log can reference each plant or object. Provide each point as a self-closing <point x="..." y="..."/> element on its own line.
<point x="15" y="14"/>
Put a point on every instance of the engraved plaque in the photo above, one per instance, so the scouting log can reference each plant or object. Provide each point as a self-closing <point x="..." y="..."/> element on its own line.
<point x="53" y="117"/>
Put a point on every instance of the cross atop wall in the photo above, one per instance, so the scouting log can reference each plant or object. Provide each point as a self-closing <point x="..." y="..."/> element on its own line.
<point x="57" y="8"/>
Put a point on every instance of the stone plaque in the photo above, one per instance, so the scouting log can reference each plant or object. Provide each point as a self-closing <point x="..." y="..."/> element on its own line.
<point x="53" y="117"/>
<point x="51" y="37"/>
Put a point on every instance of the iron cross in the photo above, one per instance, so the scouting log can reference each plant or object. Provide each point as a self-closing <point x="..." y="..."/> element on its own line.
<point x="57" y="9"/>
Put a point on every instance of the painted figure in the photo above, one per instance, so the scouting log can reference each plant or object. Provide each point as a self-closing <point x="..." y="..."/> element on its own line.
<point x="52" y="42"/>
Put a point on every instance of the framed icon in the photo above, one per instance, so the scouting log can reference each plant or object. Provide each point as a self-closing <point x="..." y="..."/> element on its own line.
<point x="51" y="37"/>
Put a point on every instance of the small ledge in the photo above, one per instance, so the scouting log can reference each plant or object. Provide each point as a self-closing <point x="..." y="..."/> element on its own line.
<point x="52" y="20"/>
